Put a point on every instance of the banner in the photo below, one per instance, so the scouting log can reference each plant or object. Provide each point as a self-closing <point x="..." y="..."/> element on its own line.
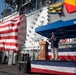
<point x="49" y="67"/>
<point x="65" y="54"/>
<point x="70" y="5"/>
<point x="12" y="34"/>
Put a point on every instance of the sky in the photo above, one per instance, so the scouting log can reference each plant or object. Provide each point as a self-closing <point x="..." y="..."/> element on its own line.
<point x="2" y="5"/>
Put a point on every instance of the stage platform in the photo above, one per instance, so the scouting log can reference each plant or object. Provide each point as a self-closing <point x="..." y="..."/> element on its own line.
<point x="58" y="67"/>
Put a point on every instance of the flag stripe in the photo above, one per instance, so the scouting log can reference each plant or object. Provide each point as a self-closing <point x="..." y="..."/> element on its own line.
<point x="12" y="33"/>
<point x="55" y="67"/>
<point x="8" y="31"/>
<point x="11" y="43"/>
<point x="9" y="27"/>
<point x="9" y="34"/>
<point x="37" y="70"/>
<point x="65" y="53"/>
<point x="9" y="24"/>
<point x="8" y="49"/>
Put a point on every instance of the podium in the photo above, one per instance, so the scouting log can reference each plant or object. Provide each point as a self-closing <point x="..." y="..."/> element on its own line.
<point x="43" y="50"/>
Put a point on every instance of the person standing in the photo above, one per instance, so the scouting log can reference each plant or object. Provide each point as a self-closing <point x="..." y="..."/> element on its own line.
<point x="54" y="46"/>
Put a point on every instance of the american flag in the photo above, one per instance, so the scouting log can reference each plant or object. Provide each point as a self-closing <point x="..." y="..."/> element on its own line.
<point x="12" y="33"/>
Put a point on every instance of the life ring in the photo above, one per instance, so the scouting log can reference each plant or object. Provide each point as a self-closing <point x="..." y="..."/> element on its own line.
<point x="63" y="40"/>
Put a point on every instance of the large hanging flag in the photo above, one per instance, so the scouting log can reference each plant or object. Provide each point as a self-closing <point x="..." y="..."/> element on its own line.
<point x="70" y="5"/>
<point x="56" y="8"/>
<point x="12" y="34"/>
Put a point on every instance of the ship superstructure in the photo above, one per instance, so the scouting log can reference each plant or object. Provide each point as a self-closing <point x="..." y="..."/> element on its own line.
<point x="38" y="14"/>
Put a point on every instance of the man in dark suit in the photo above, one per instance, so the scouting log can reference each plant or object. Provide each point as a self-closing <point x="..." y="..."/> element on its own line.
<point x="54" y="46"/>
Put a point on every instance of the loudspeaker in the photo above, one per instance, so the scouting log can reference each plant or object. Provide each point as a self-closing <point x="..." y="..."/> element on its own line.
<point x="6" y="12"/>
